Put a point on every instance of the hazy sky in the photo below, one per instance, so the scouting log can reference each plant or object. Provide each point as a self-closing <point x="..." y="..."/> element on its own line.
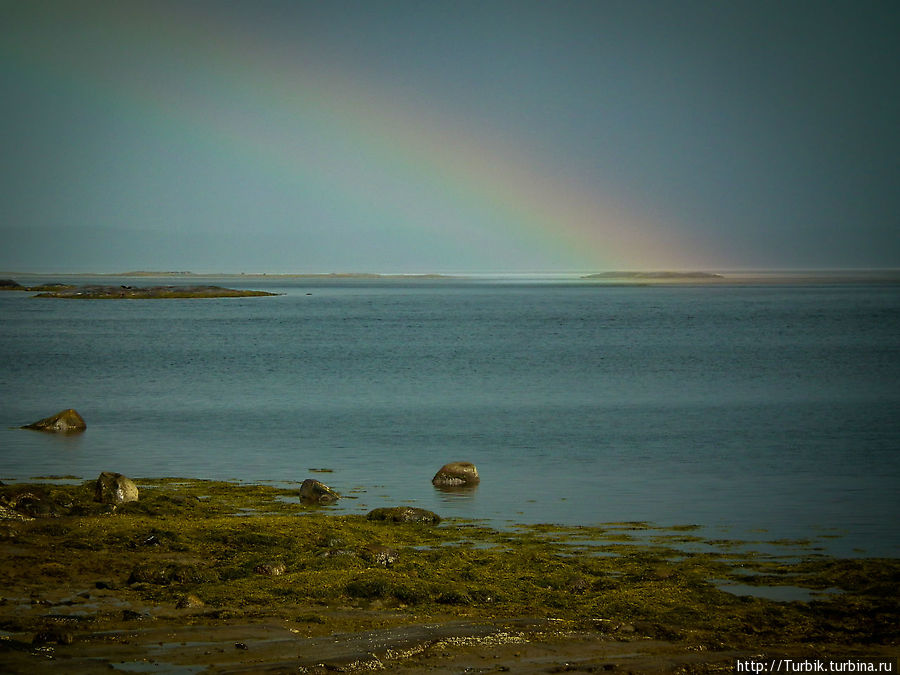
<point x="448" y="136"/>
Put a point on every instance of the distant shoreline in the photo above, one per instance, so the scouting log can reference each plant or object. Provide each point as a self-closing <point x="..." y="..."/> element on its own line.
<point x="621" y="277"/>
<point x="66" y="291"/>
<point x="297" y="275"/>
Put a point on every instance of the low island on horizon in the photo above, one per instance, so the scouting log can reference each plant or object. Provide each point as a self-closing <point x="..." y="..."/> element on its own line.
<point x="63" y="285"/>
<point x="94" y="292"/>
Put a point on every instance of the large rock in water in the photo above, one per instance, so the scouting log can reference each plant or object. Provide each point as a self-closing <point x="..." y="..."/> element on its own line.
<point x="456" y="474"/>
<point x="66" y="422"/>
<point x="114" y="488"/>
<point x="314" y="492"/>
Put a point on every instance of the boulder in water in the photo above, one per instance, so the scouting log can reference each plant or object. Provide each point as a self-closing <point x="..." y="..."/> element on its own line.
<point x="314" y="492"/>
<point x="65" y="422"/>
<point x="456" y="474"/>
<point x="114" y="488"/>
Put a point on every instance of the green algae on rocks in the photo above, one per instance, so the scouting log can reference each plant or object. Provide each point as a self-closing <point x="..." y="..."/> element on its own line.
<point x="213" y="542"/>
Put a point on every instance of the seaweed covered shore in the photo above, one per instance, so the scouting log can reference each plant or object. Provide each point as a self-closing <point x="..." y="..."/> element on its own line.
<point x="203" y="576"/>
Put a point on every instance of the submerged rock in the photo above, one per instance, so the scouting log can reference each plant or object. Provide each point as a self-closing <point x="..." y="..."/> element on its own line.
<point x="404" y="514"/>
<point x="114" y="488"/>
<point x="66" y="422"/>
<point x="315" y="492"/>
<point x="456" y="474"/>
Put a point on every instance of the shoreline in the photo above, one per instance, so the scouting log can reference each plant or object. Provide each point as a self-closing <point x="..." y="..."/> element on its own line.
<point x="127" y="292"/>
<point x="195" y="568"/>
<point x="610" y="278"/>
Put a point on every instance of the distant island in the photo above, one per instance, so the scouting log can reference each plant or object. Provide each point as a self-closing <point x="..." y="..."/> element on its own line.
<point x="655" y="276"/>
<point x="288" y="275"/>
<point x="148" y="292"/>
<point x="129" y="292"/>
<point x="145" y="273"/>
<point x="47" y="283"/>
<point x="10" y="285"/>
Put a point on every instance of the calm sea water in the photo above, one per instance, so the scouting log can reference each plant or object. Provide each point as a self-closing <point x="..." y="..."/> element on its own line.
<point x="771" y="410"/>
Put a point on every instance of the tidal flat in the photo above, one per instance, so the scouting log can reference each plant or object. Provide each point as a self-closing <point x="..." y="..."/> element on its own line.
<point x="206" y="576"/>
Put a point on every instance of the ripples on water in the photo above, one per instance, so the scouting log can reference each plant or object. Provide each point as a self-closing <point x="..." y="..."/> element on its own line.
<point x="769" y="407"/>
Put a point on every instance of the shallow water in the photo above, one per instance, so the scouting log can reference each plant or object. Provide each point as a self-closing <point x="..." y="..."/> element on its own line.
<point x="742" y="408"/>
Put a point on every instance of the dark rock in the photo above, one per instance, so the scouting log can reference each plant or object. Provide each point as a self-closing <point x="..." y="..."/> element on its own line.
<point x="404" y="514"/>
<point x="34" y="505"/>
<point x="240" y="645"/>
<point x="163" y="573"/>
<point x="53" y="569"/>
<point x="189" y="601"/>
<point x="456" y="474"/>
<point x="53" y="636"/>
<point x="114" y="488"/>
<point x="66" y="422"/>
<point x="315" y="492"/>
<point x="275" y="569"/>
<point x="131" y="615"/>
<point x="455" y="596"/>
<point x="26" y="504"/>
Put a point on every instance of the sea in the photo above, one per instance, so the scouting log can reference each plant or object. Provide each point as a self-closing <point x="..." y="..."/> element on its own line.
<point x="768" y="411"/>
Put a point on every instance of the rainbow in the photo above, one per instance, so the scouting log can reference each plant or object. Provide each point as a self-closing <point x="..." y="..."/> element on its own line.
<point x="410" y="165"/>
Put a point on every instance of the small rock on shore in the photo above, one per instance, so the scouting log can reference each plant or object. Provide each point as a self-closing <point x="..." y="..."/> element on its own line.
<point x="273" y="569"/>
<point x="404" y="514"/>
<point x="114" y="488"/>
<point x="315" y="492"/>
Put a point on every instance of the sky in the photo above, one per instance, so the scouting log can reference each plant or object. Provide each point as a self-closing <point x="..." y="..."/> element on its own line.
<point x="448" y="136"/>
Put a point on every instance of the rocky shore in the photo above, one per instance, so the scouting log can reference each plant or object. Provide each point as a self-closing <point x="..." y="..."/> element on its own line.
<point x="202" y="576"/>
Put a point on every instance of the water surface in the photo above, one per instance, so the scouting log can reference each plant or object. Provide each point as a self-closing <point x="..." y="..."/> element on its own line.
<point x="765" y="408"/>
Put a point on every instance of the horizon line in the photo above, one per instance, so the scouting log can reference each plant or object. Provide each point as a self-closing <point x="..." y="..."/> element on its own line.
<point x="609" y="273"/>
